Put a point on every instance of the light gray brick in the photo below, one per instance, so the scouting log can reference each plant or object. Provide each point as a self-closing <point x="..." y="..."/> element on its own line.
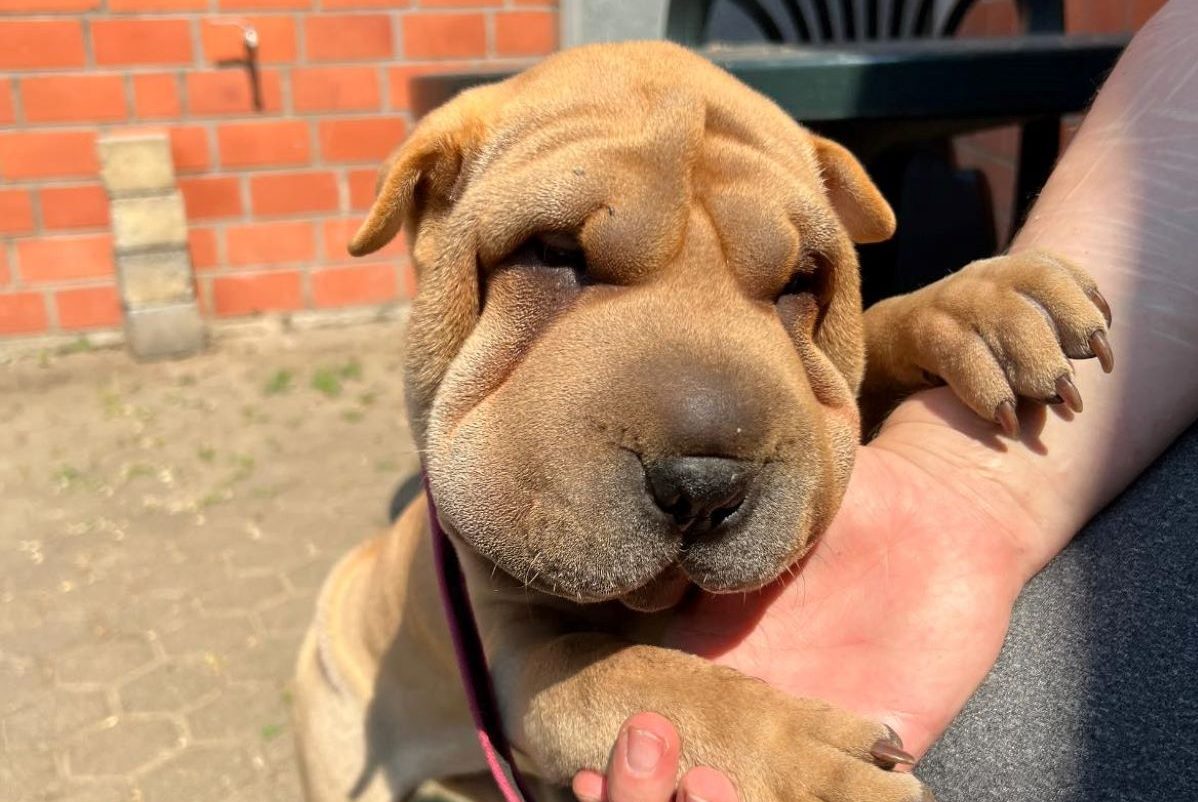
<point x="201" y="773"/>
<point x="155" y="278"/>
<point x="104" y="661"/>
<point x="149" y="221"/>
<point x="136" y="163"/>
<point x="164" y="331"/>
<point x="123" y="747"/>
<point x="55" y="715"/>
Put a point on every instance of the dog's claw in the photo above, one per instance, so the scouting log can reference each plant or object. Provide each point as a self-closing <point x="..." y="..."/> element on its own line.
<point x="1101" y="303"/>
<point x="1006" y="418"/>
<point x="1101" y="347"/>
<point x="1067" y="391"/>
<point x="888" y="754"/>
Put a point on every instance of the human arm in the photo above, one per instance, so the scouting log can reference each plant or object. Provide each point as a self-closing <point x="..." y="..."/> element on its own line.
<point x="1123" y="203"/>
<point x="903" y="606"/>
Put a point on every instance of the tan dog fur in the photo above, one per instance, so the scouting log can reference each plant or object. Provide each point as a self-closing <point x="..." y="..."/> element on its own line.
<point x="719" y="264"/>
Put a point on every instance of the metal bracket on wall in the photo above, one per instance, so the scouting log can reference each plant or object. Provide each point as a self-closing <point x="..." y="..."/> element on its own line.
<point x="249" y="61"/>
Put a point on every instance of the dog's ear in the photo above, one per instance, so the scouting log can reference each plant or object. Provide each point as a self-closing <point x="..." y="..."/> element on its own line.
<point x="861" y="208"/>
<point x="422" y="172"/>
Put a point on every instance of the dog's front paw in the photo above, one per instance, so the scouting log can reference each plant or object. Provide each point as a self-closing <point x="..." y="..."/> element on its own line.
<point x="812" y="752"/>
<point x="1007" y="327"/>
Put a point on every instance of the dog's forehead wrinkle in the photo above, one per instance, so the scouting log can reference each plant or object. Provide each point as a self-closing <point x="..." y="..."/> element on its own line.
<point x="523" y="141"/>
<point x="653" y="147"/>
<point x="486" y="154"/>
<point x="787" y="146"/>
<point x="544" y="117"/>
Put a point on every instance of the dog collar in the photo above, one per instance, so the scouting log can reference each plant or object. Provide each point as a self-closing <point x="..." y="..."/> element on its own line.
<point x="472" y="661"/>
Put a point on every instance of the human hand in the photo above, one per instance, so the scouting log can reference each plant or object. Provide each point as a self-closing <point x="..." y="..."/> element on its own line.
<point x="643" y="767"/>
<point x="900" y="611"/>
<point x="901" y="608"/>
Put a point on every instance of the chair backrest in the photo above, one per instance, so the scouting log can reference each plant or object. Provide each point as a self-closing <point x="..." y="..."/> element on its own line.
<point x="846" y="21"/>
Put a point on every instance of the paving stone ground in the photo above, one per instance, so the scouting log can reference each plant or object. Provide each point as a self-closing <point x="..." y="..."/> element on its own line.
<point x="163" y="530"/>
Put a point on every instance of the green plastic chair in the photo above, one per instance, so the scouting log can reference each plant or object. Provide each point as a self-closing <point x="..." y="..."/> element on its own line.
<point x="816" y="22"/>
<point x="840" y="21"/>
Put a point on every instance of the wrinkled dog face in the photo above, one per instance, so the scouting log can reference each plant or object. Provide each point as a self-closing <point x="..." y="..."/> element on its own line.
<point x="635" y="351"/>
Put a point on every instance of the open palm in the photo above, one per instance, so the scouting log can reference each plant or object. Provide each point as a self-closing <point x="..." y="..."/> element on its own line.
<point x="901" y="609"/>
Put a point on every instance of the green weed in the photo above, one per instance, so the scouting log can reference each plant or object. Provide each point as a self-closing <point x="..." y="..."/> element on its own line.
<point x="280" y="382"/>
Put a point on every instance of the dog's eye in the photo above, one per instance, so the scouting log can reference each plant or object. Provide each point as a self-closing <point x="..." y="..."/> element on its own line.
<point x="559" y="250"/>
<point x="799" y="284"/>
<point x="810" y="278"/>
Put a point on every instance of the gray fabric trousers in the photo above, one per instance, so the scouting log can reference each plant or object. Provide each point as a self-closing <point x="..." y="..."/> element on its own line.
<point x="1095" y="695"/>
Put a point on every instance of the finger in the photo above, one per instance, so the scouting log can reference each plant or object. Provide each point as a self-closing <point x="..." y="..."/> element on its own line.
<point x="644" y="763"/>
<point x="703" y="784"/>
<point x="588" y="786"/>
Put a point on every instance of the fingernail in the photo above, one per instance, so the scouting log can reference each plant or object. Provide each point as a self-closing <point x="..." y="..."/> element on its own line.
<point x="687" y="796"/>
<point x="886" y="752"/>
<point x="644" y="751"/>
<point x="1102" y="349"/>
<point x="1068" y="391"/>
<point x="1007" y="419"/>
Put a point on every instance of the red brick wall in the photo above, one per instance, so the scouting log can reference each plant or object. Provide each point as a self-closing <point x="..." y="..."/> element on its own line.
<point x="994" y="151"/>
<point x="271" y="197"/>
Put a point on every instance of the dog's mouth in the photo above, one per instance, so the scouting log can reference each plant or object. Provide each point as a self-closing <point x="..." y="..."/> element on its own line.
<point x="620" y="538"/>
<point x="658" y="562"/>
<point x="660" y="593"/>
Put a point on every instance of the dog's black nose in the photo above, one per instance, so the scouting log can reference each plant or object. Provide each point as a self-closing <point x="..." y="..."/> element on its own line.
<point x="699" y="493"/>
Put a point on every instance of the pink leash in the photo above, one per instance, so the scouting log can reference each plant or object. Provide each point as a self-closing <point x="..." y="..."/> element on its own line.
<point x="472" y="662"/>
